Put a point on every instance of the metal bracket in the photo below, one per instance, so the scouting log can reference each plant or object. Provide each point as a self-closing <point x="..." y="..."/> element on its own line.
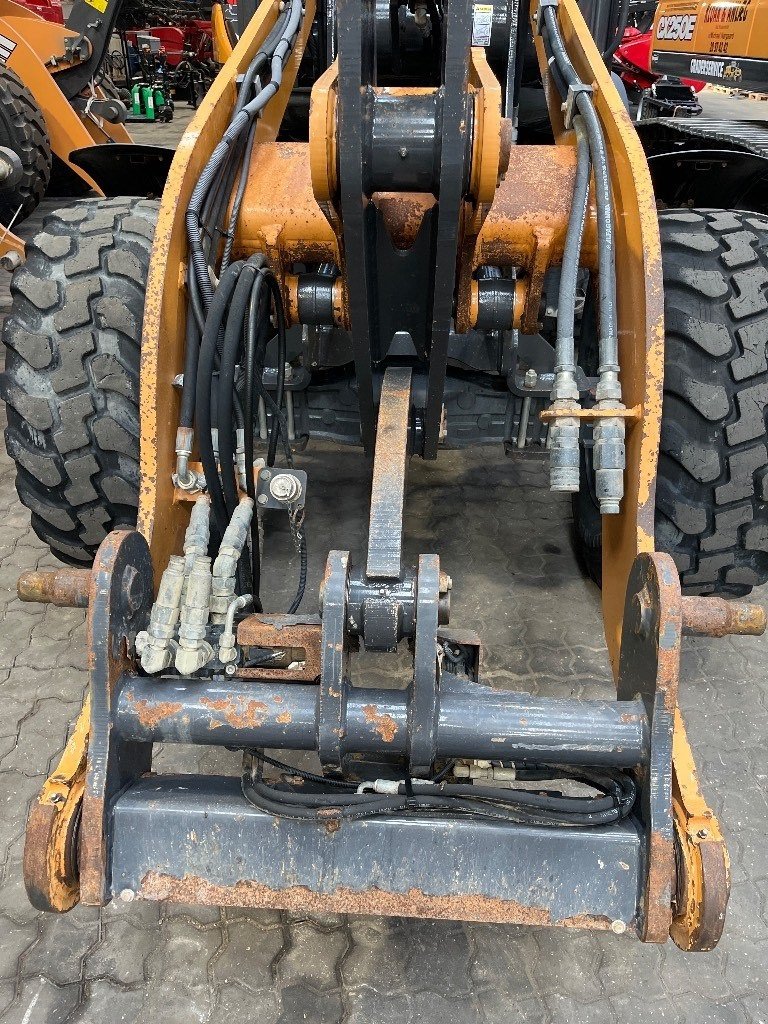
<point x="569" y="108"/>
<point x="543" y="4"/>
<point x="281" y="488"/>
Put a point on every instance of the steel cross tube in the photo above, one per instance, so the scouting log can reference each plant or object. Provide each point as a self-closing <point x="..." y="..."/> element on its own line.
<point x="472" y="720"/>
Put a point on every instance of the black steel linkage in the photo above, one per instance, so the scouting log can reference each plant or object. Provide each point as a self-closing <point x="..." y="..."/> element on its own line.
<point x="356" y="56"/>
<point x="457" y="36"/>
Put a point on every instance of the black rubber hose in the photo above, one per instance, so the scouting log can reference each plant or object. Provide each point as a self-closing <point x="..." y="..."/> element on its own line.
<point x="621" y="26"/>
<point x="238" y="200"/>
<point x="252" y="326"/>
<point x="208" y="346"/>
<point x="277" y="423"/>
<point x="233" y="337"/>
<point x="565" y="358"/>
<point x="603" y="196"/>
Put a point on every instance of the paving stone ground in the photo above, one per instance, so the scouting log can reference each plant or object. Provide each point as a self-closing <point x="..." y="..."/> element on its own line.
<point x="505" y="540"/>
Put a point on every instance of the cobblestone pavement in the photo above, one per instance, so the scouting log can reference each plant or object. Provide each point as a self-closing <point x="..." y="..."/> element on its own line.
<point x="505" y="540"/>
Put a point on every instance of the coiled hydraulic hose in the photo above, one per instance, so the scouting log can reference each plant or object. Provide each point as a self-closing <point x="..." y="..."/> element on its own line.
<point x="615" y="802"/>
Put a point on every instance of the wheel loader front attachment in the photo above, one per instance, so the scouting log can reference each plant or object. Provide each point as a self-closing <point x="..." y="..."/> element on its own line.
<point x="419" y="250"/>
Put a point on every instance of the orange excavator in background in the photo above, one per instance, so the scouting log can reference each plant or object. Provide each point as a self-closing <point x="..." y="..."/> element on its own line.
<point x="62" y="121"/>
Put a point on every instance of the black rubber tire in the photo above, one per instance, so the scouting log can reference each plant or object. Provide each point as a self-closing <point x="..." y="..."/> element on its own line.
<point x="71" y="380"/>
<point x="23" y="130"/>
<point x="712" y="484"/>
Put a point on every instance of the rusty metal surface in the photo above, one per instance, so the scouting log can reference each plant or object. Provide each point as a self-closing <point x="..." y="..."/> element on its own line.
<point x="49" y="867"/>
<point x="121" y="596"/>
<point x="283" y="633"/>
<point x="67" y="588"/>
<point x="413" y="903"/>
<point x="385" y="524"/>
<point x="420" y="865"/>
<point x="713" y="616"/>
<point x="650" y="666"/>
<point x="702" y="857"/>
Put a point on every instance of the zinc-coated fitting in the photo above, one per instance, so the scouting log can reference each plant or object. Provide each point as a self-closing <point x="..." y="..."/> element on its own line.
<point x="194" y="651"/>
<point x="155" y="645"/>
<point x="564" y="449"/>
<point x="228" y="640"/>
<point x="609" y="459"/>
<point x="198" y="532"/>
<point x="225" y="566"/>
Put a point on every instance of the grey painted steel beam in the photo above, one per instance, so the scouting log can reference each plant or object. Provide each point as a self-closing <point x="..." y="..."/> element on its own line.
<point x="472" y="720"/>
<point x="196" y="839"/>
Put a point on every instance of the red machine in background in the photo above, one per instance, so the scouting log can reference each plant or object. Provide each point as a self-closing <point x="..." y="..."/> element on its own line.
<point x="192" y="38"/>
<point x="653" y="94"/>
<point x="48" y="9"/>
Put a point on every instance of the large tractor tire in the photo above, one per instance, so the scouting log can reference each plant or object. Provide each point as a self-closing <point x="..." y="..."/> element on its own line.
<point x="71" y="380"/>
<point x="712" y="485"/>
<point x="23" y="130"/>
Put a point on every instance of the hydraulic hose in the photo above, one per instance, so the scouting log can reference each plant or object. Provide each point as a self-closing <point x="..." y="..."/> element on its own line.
<point x="603" y="196"/>
<point x="233" y="336"/>
<point x="565" y="357"/>
<point x="618" y="794"/>
<point x="241" y="121"/>
<point x="208" y="347"/>
<point x="621" y="26"/>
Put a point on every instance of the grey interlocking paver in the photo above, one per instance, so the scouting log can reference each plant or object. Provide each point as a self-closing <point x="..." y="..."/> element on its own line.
<point x="540" y="621"/>
<point x="506" y="541"/>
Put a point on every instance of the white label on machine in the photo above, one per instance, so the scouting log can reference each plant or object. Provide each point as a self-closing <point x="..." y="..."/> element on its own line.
<point x="482" y="22"/>
<point x="7" y="46"/>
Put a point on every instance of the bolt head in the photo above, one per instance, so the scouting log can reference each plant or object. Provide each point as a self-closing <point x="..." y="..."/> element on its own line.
<point x="531" y="378"/>
<point x="262" y="499"/>
<point x="618" y="927"/>
<point x="230" y="669"/>
<point x="127" y="895"/>
<point x="285" y="488"/>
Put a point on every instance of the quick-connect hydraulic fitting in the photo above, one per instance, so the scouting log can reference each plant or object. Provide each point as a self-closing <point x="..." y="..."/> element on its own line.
<point x="225" y="566"/>
<point x="608" y="457"/>
<point x="194" y="651"/>
<point x="155" y="645"/>
<point x="564" y="432"/>
<point x="564" y="451"/>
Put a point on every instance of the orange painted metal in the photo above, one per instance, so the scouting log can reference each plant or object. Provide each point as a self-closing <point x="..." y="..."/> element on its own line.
<point x="640" y="301"/>
<point x="161" y="519"/>
<point x="38" y="53"/>
<point x="50" y="860"/>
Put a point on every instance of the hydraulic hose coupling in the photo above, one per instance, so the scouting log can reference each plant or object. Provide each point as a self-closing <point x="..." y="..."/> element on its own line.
<point x="185" y="478"/>
<point x="608" y="452"/>
<point x="155" y="645"/>
<point x="225" y="566"/>
<point x="198" y="533"/>
<point x="228" y="639"/>
<point x="194" y="651"/>
<point x="564" y="433"/>
<point x="608" y="457"/>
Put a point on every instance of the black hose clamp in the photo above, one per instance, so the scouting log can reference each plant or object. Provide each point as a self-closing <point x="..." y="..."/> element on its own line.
<point x="543" y="4"/>
<point x="575" y="89"/>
